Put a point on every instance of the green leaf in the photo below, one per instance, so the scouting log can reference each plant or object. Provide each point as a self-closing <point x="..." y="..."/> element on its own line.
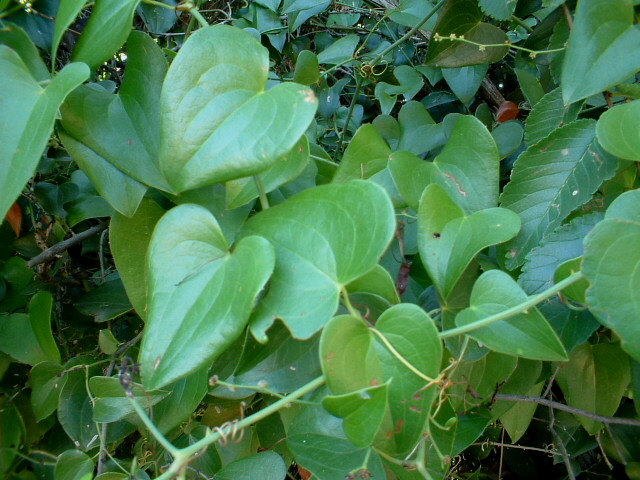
<point x="611" y="261"/>
<point x="264" y="464"/>
<point x="498" y="9"/>
<point x="66" y="14"/>
<point x="11" y="432"/>
<point x="595" y="379"/>
<point x="105" y="302"/>
<point x="40" y="318"/>
<point x="200" y="294"/>
<point x="508" y="137"/>
<point x="604" y="48"/>
<point x="464" y="18"/>
<point x="316" y="253"/>
<point x="409" y="83"/>
<point x="576" y="291"/>
<point x="159" y="20"/>
<point x="465" y="81"/>
<point x="618" y="131"/>
<point x="129" y="239"/>
<point x="73" y="465"/>
<point x="468" y="172"/>
<point x="526" y="335"/>
<point x="550" y="180"/>
<point x="17" y="39"/>
<point x="46" y="385"/>
<point x="107" y="29"/>
<point x="288" y="167"/>
<point x="27" y="113"/>
<point x="516" y="420"/>
<point x="111" y="403"/>
<point x="362" y="410"/>
<point x="449" y="240"/>
<point x="307" y="71"/>
<point x="217" y="121"/>
<point x="366" y="155"/>
<point x="547" y="115"/>
<point x="184" y="397"/>
<point x="356" y="358"/>
<point x="339" y="52"/>
<point x="376" y="290"/>
<point x="107" y="342"/>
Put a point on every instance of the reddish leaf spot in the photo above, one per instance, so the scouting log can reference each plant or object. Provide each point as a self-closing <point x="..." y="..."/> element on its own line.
<point x="507" y="111"/>
<point x="374" y="382"/>
<point x="14" y="217"/>
<point x="417" y="397"/>
<point x="399" y="425"/>
<point x="304" y="473"/>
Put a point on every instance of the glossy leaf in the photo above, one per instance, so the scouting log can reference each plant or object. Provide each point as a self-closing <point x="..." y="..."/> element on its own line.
<point x="46" y="385"/>
<point x="227" y="126"/>
<point x="547" y="115"/>
<point x="73" y="465"/>
<point x="604" y="48"/>
<point x="200" y="294"/>
<point x="464" y="18"/>
<point x="611" y="261"/>
<point x="354" y="358"/>
<point x="449" y="240"/>
<point x="595" y="380"/>
<point x="66" y="14"/>
<point x="551" y="179"/>
<point x="315" y="253"/>
<point x="17" y="39"/>
<point x="526" y="335"/>
<point x="107" y="29"/>
<point x="468" y="172"/>
<point x="618" y="131"/>
<point x="129" y="239"/>
<point x="27" y="113"/>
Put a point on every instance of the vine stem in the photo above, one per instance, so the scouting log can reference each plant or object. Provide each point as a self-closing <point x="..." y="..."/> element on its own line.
<point x="181" y="457"/>
<point x="520" y="308"/>
<point x="264" y="201"/>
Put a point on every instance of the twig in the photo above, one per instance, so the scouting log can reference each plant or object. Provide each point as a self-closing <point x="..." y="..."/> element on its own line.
<point x="50" y="253"/>
<point x="567" y="408"/>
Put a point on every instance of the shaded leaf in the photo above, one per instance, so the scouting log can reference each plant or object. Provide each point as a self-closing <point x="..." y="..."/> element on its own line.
<point x="46" y="385"/>
<point x="618" y="131"/>
<point x="105" y="302"/>
<point x="366" y="155"/>
<point x="73" y="465"/>
<point x="111" y="403"/>
<point x="547" y="115"/>
<point x="268" y="464"/>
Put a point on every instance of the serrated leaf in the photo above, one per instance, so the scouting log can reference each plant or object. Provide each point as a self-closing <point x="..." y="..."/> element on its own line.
<point x="73" y="465"/>
<point x="498" y="9"/>
<point x="356" y="358"/>
<point x="464" y="18"/>
<point x="217" y="121"/>
<point x="595" y="379"/>
<point x="107" y="29"/>
<point x="200" y="294"/>
<point x="468" y="172"/>
<point x="448" y="239"/>
<point x="129" y="239"/>
<point x="618" y="130"/>
<point x="526" y="335"/>
<point x="547" y="115"/>
<point x="550" y="180"/>
<point x="611" y="263"/>
<point x="316" y="251"/>
<point x="27" y="113"/>
<point x="604" y="48"/>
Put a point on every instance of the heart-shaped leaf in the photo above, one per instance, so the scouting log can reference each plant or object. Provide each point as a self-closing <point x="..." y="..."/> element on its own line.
<point x="27" y="113"/>
<point x="366" y="155"/>
<point x="604" y="48"/>
<point x="618" y="130"/>
<point x="449" y="239"/>
<point x="468" y="171"/>
<point x="200" y="294"/>
<point x="355" y="357"/>
<point x="612" y="265"/>
<point x="218" y="122"/>
<point x="325" y="238"/>
<point x="527" y="334"/>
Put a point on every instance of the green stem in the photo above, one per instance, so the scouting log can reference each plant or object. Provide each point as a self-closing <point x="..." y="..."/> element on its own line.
<point x="183" y="456"/>
<point x="158" y="4"/>
<point x="483" y="46"/>
<point x="510" y="312"/>
<point x="175" y="452"/>
<point x="352" y="106"/>
<point x="400" y="358"/>
<point x="198" y="16"/>
<point x="409" y="34"/>
<point x="347" y="303"/>
<point x="521" y="23"/>
<point x="264" y="201"/>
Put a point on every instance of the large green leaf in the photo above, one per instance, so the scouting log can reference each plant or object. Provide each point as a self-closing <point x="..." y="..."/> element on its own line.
<point x="200" y="294"/>
<point x="27" y="113"/>
<point x="464" y="18"/>
<point x="115" y="138"/>
<point x="469" y="172"/>
<point x="355" y="358"/>
<point x="551" y="179"/>
<point x="66" y="14"/>
<point x="218" y="122"/>
<point x="325" y="238"/>
<point x="129" y="239"/>
<point x="526" y="335"/>
<point x="73" y="465"/>
<point x="107" y="29"/>
<point x="548" y="114"/>
<point x="604" y="48"/>
<point x="612" y="265"/>
<point x="448" y="239"/>
<point x="618" y="130"/>
<point x="595" y="379"/>
<point x="18" y="40"/>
